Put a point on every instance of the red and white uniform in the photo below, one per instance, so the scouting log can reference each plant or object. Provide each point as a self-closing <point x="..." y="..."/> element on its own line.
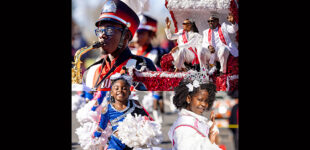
<point x="187" y="43"/>
<point x="95" y="71"/>
<point x="220" y="40"/>
<point x="148" y="52"/>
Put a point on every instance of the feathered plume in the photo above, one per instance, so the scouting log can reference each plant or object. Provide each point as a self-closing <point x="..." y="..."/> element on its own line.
<point x="138" y="6"/>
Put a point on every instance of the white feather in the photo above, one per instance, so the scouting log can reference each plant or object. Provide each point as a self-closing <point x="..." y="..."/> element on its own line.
<point x="138" y="6"/>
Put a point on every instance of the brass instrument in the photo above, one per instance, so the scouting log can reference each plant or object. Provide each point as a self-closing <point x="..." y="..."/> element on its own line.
<point x="76" y="70"/>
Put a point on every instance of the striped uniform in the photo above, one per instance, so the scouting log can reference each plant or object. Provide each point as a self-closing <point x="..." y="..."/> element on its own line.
<point x="103" y="66"/>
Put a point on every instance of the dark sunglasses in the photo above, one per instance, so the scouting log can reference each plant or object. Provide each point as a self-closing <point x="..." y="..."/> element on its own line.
<point x="211" y="21"/>
<point x="107" y="31"/>
<point x="186" y="23"/>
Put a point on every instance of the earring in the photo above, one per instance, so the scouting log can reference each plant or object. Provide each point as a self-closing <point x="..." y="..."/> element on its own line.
<point x="112" y="99"/>
<point x="188" y="99"/>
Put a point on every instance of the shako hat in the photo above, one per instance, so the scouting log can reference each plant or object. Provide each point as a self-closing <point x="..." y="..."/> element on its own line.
<point x="147" y="23"/>
<point x="119" y="12"/>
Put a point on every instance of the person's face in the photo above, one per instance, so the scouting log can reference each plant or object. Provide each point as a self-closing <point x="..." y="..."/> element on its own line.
<point x="199" y="102"/>
<point x="143" y="37"/>
<point x="120" y="91"/>
<point x="187" y="25"/>
<point x="213" y="22"/>
<point x="110" y="37"/>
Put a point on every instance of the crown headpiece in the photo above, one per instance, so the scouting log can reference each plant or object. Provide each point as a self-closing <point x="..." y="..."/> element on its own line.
<point x="196" y="78"/>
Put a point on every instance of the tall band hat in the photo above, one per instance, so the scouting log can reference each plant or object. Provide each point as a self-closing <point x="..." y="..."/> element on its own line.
<point x="147" y="23"/>
<point x="119" y="12"/>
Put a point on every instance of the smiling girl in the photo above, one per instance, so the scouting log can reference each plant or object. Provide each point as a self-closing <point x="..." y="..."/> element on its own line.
<point x="192" y="130"/>
<point x="117" y="110"/>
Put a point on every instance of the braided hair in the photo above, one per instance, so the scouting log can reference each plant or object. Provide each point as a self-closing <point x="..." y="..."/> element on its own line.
<point x="181" y="92"/>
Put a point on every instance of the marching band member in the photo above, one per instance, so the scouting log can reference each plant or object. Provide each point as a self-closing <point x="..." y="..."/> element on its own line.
<point x="116" y="26"/>
<point x="145" y="34"/>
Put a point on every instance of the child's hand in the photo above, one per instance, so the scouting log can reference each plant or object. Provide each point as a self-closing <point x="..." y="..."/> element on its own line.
<point x="212" y="116"/>
<point x="212" y="134"/>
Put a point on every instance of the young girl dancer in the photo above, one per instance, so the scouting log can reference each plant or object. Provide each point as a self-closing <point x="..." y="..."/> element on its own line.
<point x="116" y="112"/>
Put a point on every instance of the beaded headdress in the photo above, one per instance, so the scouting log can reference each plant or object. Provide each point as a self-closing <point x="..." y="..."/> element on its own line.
<point x="196" y="78"/>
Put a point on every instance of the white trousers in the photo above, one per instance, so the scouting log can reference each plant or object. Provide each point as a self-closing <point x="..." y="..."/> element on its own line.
<point x="182" y="55"/>
<point x="221" y="55"/>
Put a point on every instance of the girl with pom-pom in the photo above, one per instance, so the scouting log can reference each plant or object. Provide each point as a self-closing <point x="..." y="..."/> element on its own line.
<point x="192" y="130"/>
<point x="117" y="109"/>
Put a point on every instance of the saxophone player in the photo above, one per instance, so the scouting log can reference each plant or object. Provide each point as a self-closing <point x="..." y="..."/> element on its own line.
<point x="116" y="26"/>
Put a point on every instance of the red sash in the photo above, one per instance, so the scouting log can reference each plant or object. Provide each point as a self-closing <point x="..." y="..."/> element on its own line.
<point x="106" y="84"/>
<point x="220" y="34"/>
<point x="195" y="128"/>
<point x="195" y="60"/>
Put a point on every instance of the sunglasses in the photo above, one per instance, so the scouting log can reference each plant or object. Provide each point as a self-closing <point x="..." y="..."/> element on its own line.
<point x="186" y="23"/>
<point x="109" y="31"/>
<point x="211" y="21"/>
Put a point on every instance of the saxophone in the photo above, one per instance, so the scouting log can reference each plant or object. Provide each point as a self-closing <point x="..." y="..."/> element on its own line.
<point x="76" y="70"/>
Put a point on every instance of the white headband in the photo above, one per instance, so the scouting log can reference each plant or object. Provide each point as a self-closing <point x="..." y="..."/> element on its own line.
<point x="122" y="76"/>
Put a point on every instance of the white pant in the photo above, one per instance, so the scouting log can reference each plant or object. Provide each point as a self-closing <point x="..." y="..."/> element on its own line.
<point x="182" y="55"/>
<point x="221" y="54"/>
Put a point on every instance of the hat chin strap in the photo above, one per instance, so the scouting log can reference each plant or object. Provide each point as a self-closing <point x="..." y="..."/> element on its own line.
<point x="121" y="42"/>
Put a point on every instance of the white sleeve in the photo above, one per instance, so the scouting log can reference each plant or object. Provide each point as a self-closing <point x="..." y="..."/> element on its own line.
<point x="186" y="138"/>
<point x="171" y="36"/>
<point x="233" y="28"/>
<point x="192" y="42"/>
<point x="205" y="42"/>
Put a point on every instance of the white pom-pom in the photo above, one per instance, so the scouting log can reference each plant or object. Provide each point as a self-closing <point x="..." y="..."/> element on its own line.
<point x="77" y="102"/>
<point x="139" y="131"/>
<point x="85" y="114"/>
<point x="86" y="139"/>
